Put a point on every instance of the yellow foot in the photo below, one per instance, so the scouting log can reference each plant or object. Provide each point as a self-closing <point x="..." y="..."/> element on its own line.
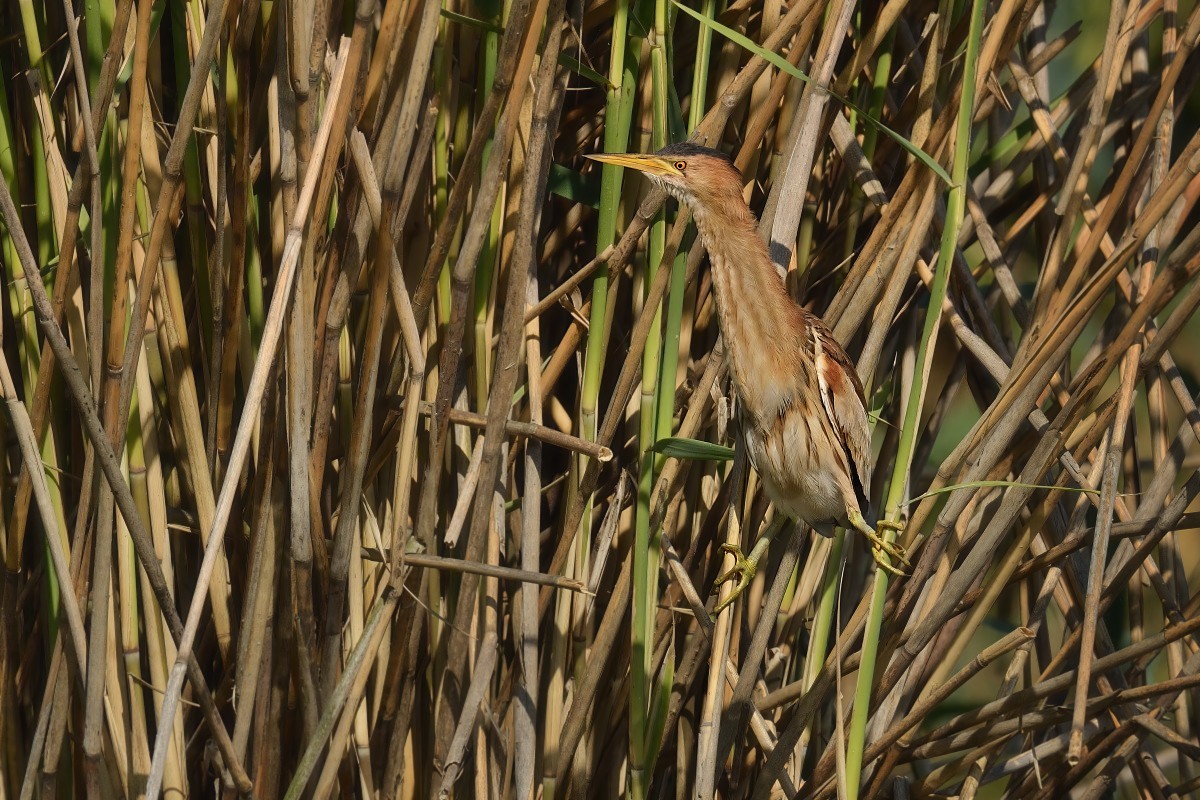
<point x="883" y="551"/>
<point x="744" y="570"/>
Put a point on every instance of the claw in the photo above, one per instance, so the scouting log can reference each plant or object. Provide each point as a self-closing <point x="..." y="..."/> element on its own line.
<point x="883" y="551"/>
<point x="744" y="570"/>
<point x="880" y="544"/>
<point x="882" y="561"/>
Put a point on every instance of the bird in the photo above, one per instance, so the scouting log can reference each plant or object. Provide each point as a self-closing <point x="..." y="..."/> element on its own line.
<point x="803" y="416"/>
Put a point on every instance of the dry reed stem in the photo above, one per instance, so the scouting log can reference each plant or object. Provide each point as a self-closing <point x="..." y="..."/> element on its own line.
<point x="240" y="449"/>
<point x="1059" y="428"/>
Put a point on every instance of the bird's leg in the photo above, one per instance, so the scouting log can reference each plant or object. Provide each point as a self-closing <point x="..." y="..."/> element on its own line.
<point x="747" y="566"/>
<point x="880" y="547"/>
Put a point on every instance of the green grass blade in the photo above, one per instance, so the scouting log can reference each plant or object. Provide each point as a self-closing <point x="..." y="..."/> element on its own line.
<point x="779" y="61"/>
<point x="694" y="449"/>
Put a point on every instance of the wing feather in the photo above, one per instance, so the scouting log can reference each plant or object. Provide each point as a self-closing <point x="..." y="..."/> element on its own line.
<point x="844" y="404"/>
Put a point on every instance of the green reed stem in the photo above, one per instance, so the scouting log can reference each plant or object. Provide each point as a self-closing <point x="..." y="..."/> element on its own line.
<point x="29" y="353"/>
<point x="674" y="322"/>
<point x="485" y="271"/>
<point x="193" y="191"/>
<point x="643" y="743"/>
<point x="618" y="114"/>
<point x="955" y="206"/>
<point x="704" y="35"/>
<point x="827" y="605"/>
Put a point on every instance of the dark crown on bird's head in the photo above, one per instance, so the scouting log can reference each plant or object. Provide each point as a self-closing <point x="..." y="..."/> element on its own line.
<point x="687" y="149"/>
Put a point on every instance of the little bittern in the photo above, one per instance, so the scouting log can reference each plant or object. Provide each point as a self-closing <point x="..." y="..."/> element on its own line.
<point x="803" y="416"/>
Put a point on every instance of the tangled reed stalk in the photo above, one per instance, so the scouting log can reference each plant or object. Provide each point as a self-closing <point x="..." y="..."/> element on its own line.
<point x="362" y="439"/>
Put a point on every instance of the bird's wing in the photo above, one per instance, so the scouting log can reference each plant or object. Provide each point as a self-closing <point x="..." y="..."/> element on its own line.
<point x="842" y="397"/>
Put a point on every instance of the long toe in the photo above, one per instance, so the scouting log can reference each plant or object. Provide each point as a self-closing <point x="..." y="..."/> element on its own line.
<point x="893" y="549"/>
<point x="744" y="571"/>
<point x="884" y="562"/>
<point x="739" y="562"/>
<point x="742" y="583"/>
<point x="897" y="552"/>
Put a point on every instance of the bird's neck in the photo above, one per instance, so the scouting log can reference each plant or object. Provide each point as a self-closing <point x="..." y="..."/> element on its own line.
<point x="756" y="313"/>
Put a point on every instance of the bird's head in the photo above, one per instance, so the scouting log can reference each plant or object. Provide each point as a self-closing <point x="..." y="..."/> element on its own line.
<point x="694" y="175"/>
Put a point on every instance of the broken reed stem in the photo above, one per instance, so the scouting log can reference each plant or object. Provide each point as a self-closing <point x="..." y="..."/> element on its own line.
<point x="529" y="430"/>
<point x="1031" y="387"/>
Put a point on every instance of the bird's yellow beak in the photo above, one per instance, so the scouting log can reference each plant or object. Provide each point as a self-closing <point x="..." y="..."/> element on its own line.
<point x="651" y="165"/>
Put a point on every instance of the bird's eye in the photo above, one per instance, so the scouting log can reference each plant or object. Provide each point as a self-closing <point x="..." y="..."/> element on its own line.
<point x="680" y="165"/>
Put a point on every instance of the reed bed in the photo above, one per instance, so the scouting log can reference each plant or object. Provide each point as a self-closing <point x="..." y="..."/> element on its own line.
<point x="361" y="439"/>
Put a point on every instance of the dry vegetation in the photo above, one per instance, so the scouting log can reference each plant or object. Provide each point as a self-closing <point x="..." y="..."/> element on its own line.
<point x="385" y="440"/>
